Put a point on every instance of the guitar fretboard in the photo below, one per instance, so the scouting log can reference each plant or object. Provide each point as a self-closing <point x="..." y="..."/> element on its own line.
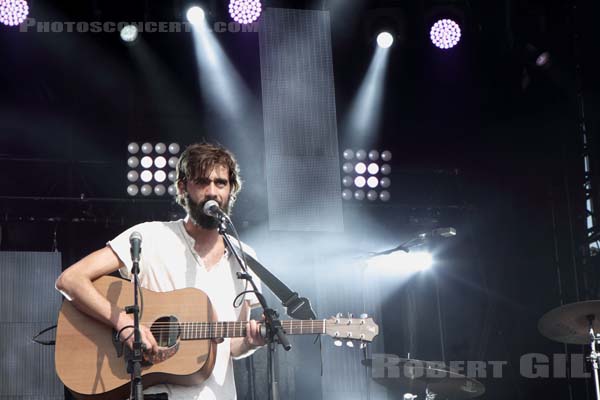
<point x="210" y="330"/>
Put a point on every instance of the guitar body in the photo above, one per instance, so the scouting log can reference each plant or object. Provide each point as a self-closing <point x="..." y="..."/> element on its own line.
<point x="87" y="358"/>
<point x="90" y="364"/>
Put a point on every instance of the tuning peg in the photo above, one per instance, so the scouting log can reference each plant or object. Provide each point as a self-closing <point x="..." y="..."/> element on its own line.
<point x="350" y="315"/>
<point x="362" y="345"/>
<point x="364" y="316"/>
<point x="337" y="343"/>
<point x="350" y="344"/>
<point x="338" y="315"/>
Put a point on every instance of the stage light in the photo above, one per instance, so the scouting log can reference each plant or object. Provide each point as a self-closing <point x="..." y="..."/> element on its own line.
<point x="373" y="168"/>
<point x="132" y="176"/>
<point x="359" y="195"/>
<point x="354" y="174"/>
<point x="160" y="148"/>
<point x="422" y="260"/>
<point x="146" y="176"/>
<point x="133" y="148"/>
<point x="174" y="148"/>
<point x="133" y="162"/>
<point x="160" y="176"/>
<point x="360" y="181"/>
<point x="384" y="195"/>
<point x="195" y="15"/>
<point x="13" y="12"/>
<point x="245" y="11"/>
<point x="159" y="190"/>
<point x="372" y="195"/>
<point x="160" y="162"/>
<point x="347" y="194"/>
<point x="146" y="162"/>
<point x="172" y="190"/>
<point x="385" y="40"/>
<point x="400" y="262"/>
<point x="348" y="167"/>
<point x="360" y="168"/>
<point x="132" y="190"/>
<point x="543" y="59"/>
<point x="147" y="148"/>
<point x="373" y="155"/>
<point x="129" y="33"/>
<point x="445" y="34"/>
<point x="146" y="190"/>
<point x="153" y="167"/>
<point x="372" y="182"/>
<point x="539" y="57"/>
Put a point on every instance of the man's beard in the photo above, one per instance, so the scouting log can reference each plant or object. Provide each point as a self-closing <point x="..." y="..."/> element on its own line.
<point x="196" y="213"/>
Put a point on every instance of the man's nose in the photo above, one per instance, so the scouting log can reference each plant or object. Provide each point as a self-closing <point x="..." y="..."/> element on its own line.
<point x="210" y="190"/>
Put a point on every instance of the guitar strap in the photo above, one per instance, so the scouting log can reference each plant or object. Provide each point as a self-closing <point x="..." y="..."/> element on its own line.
<point x="296" y="307"/>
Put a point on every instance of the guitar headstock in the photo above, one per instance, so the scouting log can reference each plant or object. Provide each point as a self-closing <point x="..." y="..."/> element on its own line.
<point x="342" y="328"/>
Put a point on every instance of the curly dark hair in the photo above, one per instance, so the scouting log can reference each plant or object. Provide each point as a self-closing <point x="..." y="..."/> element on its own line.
<point x="199" y="159"/>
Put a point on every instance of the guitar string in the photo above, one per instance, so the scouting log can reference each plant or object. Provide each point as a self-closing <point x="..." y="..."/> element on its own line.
<point x="233" y="325"/>
<point x="229" y="328"/>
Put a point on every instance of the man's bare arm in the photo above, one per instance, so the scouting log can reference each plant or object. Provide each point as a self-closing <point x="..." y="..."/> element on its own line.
<point x="76" y="284"/>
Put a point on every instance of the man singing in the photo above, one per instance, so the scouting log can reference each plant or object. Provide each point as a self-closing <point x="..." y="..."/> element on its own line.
<point x="179" y="254"/>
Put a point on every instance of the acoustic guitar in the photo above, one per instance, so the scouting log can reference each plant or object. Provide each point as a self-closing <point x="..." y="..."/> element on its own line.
<point x="93" y="365"/>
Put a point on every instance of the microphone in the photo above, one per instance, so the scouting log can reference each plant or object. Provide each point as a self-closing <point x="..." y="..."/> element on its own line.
<point x="212" y="209"/>
<point x="420" y="239"/>
<point x="135" y="241"/>
<point x="439" y="232"/>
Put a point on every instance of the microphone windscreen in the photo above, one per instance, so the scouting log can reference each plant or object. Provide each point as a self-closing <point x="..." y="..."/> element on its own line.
<point x="135" y="236"/>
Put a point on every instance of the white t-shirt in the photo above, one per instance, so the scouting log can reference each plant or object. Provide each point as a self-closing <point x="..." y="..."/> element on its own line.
<point x="168" y="262"/>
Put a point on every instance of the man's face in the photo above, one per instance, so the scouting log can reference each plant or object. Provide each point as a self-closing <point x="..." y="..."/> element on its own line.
<point x="215" y="186"/>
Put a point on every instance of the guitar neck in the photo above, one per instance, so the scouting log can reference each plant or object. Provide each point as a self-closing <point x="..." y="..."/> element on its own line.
<point x="212" y="330"/>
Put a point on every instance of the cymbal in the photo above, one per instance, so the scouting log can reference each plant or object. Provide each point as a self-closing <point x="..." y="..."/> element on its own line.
<point x="416" y="376"/>
<point x="570" y="323"/>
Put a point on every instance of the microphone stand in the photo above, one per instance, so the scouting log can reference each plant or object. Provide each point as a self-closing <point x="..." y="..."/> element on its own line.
<point x="134" y="364"/>
<point x="405" y="247"/>
<point x="594" y="355"/>
<point x="274" y="331"/>
<point x="418" y="240"/>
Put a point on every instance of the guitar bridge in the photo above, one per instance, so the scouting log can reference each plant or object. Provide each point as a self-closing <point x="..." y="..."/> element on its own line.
<point x="123" y="351"/>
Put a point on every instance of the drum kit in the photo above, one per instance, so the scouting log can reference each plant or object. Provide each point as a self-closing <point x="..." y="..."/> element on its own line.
<point x="432" y="379"/>
<point x="575" y="323"/>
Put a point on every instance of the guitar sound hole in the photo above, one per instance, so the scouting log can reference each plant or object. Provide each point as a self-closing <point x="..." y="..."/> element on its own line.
<point x="166" y="331"/>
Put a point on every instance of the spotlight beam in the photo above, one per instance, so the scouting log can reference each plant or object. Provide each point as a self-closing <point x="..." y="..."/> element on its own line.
<point x="364" y="117"/>
<point x="221" y="84"/>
